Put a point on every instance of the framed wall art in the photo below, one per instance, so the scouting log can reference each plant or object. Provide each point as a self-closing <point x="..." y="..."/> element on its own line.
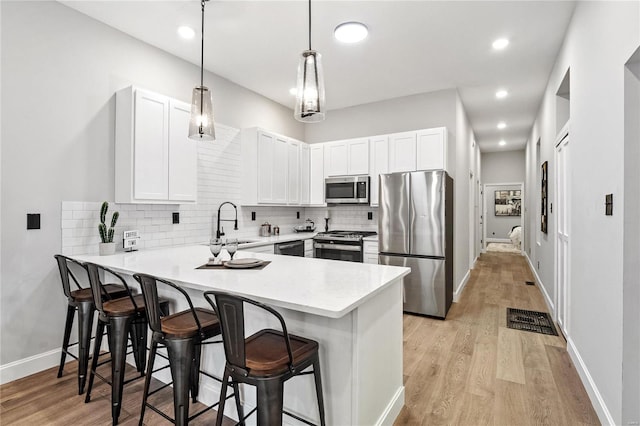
<point x="508" y="202"/>
<point x="543" y="198"/>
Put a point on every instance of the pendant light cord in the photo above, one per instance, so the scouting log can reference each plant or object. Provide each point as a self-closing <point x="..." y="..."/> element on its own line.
<point x="202" y="48"/>
<point x="309" y="24"/>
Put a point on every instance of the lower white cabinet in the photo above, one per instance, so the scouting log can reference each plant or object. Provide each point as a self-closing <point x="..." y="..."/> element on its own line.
<point x="370" y="252"/>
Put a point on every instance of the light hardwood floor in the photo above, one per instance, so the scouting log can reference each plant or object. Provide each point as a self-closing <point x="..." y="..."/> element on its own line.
<point x="467" y="370"/>
<point x="473" y="370"/>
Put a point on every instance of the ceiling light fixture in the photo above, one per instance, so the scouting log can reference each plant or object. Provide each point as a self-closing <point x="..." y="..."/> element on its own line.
<point x="500" y="43"/>
<point x="201" y="123"/>
<point x="310" y="88"/>
<point x="501" y="94"/>
<point x="351" y="32"/>
<point x="501" y="125"/>
<point x="186" y="32"/>
<point x="502" y="143"/>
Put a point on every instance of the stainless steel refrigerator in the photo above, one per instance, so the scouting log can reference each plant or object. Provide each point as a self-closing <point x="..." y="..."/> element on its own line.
<point x="415" y="230"/>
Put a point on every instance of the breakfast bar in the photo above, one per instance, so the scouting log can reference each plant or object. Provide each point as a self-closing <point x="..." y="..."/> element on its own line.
<point x="353" y="310"/>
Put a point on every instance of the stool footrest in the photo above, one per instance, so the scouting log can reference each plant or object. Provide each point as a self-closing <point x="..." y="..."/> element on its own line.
<point x="300" y="419"/>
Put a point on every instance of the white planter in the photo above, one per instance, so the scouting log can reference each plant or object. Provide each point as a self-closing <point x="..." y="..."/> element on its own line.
<point x="107" y="248"/>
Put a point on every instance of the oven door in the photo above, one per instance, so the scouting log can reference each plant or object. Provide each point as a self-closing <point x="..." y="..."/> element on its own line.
<point x="330" y="250"/>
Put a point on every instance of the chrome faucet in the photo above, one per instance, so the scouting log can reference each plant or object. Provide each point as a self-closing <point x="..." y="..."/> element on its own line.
<point x="235" y="221"/>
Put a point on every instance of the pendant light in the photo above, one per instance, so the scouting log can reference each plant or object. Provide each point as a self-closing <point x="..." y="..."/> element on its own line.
<point x="310" y="87"/>
<point x="201" y="123"/>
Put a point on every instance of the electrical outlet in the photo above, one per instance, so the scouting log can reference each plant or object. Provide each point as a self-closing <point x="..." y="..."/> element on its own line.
<point x="176" y="217"/>
<point x="33" y="220"/>
<point x="538" y="264"/>
<point x="297" y="215"/>
<point x="253" y="215"/>
<point x="370" y="215"/>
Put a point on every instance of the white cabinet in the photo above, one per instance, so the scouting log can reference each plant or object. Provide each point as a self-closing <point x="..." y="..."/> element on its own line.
<point x="431" y="149"/>
<point x="305" y="183"/>
<point x="379" y="161"/>
<point x="261" y="249"/>
<point x="370" y="252"/>
<point x="419" y="150"/>
<point x="402" y="152"/>
<point x="308" y="248"/>
<point x="272" y="168"/>
<point x="155" y="161"/>
<point x="293" y="183"/>
<point x="336" y="158"/>
<point x="316" y="174"/>
<point x="349" y="157"/>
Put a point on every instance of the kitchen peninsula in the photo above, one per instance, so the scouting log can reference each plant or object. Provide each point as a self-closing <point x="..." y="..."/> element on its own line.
<point x="353" y="310"/>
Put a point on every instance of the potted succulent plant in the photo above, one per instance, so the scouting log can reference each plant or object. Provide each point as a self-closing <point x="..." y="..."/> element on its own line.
<point x="107" y="246"/>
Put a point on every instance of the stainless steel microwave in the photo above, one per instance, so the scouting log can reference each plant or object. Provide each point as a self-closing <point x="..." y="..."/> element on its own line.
<point x="347" y="190"/>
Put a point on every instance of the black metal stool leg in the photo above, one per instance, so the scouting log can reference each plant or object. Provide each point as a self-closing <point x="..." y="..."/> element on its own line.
<point x="236" y="391"/>
<point x="223" y="396"/>
<point x="270" y="402"/>
<point x="85" y="321"/>
<point x="94" y="360"/>
<point x="139" y="342"/>
<point x="195" y="372"/>
<point x="119" y="330"/>
<point x="318" y="379"/>
<point x="147" y="379"/>
<point x="181" y="354"/>
<point x="71" y="312"/>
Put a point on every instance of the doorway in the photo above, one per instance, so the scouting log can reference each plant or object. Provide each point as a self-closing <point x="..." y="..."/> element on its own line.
<point x="563" y="230"/>
<point x="502" y="212"/>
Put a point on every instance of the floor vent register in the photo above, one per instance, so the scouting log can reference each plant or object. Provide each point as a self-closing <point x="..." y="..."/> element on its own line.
<point x="537" y="322"/>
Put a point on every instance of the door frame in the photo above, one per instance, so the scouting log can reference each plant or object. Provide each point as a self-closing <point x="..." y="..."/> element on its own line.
<point x="485" y="209"/>
<point x="561" y="139"/>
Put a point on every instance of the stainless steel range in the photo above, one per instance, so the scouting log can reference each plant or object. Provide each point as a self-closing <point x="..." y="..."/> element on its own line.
<point x="340" y="245"/>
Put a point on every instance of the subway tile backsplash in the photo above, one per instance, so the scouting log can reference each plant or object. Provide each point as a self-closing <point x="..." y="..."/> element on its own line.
<point x="219" y="180"/>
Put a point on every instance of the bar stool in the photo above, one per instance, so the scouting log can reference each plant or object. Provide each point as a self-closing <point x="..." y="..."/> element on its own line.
<point x="123" y="316"/>
<point x="183" y="334"/>
<point x="80" y="300"/>
<point x="265" y="359"/>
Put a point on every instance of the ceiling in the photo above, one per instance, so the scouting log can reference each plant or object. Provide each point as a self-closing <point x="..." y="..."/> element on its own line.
<point x="413" y="47"/>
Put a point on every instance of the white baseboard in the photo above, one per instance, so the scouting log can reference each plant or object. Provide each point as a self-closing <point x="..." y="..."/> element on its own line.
<point x="392" y="411"/>
<point x="594" y="394"/>
<point x="547" y="299"/>
<point x="498" y="240"/>
<point x="461" y="286"/>
<point x="28" y="366"/>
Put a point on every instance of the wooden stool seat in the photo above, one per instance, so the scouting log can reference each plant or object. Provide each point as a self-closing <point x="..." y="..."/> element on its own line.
<point x="182" y="325"/>
<point x="266" y="352"/>
<point x="124" y="306"/>
<point x="84" y="295"/>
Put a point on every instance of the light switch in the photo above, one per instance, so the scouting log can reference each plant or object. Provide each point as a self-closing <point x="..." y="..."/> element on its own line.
<point x="33" y="220"/>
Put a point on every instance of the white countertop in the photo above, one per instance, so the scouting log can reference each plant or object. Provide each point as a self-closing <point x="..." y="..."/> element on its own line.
<point x="329" y="288"/>
<point x="371" y="238"/>
<point x="275" y="239"/>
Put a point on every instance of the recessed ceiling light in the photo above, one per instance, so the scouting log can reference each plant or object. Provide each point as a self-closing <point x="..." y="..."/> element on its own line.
<point x="500" y="94"/>
<point x="351" y="32"/>
<point x="502" y="143"/>
<point x="186" y="32"/>
<point x="500" y="43"/>
<point x="502" y="125"/>
<point x="293" y="91"/>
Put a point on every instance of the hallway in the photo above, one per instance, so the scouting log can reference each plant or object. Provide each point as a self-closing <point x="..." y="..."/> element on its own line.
<point x="473" y="370"/>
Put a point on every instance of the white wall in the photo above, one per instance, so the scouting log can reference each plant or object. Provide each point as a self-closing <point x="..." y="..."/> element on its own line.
<point x="601" y="38"/>
<point x="503" y="167"/>
<point x="60" y="71"/>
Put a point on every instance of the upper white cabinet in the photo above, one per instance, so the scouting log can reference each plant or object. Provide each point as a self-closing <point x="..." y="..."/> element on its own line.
<point x="431" y="149"/>
<point x="379" y="161"/>
<point x="293" y="183"/>
<point x="348" y="157"/>
<point x="402" y="152"/>
<point x="305" y="171"/>
<point x="316" y="174"/>
<point x="155" y="160"/>
<point x="418" y="150"/>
